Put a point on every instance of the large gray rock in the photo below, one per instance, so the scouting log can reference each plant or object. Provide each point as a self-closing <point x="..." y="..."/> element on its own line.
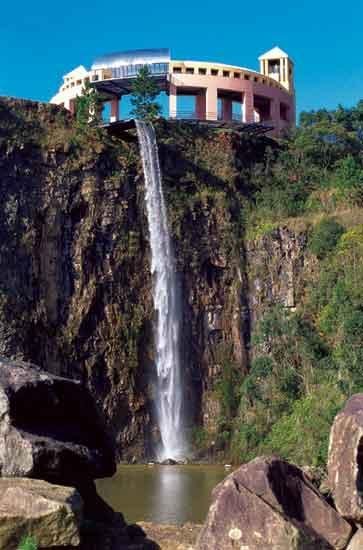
<point x="345" y="460"/>
<point x="50" y="428"/>
<point x="357" y="541"/>
<point x="31" y="507"/>
<point x="269" y="503"/>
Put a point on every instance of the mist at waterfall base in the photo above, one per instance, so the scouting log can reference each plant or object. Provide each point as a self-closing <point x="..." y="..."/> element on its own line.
<point x="169" y="396"/>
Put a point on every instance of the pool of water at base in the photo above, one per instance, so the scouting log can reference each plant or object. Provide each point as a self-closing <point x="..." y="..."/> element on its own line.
<point x="162" y="494"/>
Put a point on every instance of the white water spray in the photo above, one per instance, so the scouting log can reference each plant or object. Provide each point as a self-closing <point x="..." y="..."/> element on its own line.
<point x="166" y="302"/>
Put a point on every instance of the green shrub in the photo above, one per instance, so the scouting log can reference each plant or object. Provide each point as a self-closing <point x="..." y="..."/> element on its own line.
<point x="228" y="389"/>
<point x="199" y="437"/>
<point x="290" y="364"/>
<point x="28" y="543"/>
<point x="303" y="436"/>
<point x="324" y="237"/>
<point x="348" y="180"/>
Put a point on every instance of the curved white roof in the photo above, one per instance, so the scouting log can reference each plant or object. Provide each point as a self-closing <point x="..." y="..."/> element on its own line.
<point x="132" y="57"/>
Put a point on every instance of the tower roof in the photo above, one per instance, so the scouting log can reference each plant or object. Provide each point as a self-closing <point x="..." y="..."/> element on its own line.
<point x="78" y="71"/>
<point x="275" y="53"/>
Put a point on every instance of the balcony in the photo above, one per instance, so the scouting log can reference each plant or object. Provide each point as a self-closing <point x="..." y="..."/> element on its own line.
<point x="194" y="115"/>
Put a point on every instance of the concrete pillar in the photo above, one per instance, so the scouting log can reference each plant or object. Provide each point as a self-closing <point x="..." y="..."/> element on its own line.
<point x="226" y="109"/>
<point x="115" y="109"/>
<point x="275" y="114"/>
<point x="72" y="106"/>
<point x="173" y="100"/>
<point x="248" y="106"/>
<point x="212" y="103"/>
<point x="281" y="70"/>
<point x="200" y="105"/>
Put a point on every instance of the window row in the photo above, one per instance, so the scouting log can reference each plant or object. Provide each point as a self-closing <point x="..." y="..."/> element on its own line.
<point x="224" y="73"/>
<point x="73" y="83"/>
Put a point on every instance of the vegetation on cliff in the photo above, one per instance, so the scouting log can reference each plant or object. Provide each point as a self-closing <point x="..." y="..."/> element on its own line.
<point x="317" y="171"/>
<point x="28" y="543"/>
<point x="307" y="360"/>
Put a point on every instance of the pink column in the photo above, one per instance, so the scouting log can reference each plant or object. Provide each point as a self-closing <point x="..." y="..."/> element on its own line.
<point x="72" y="106"/>
<point x="275" y="114"/>
<point x="226" y="109"/>
<point x="115" y="110"/>
<point x="173" y="92"/>
<point x="212" y="103"/>
<point x="200" y="105"/>
<point x="248" y="106"/>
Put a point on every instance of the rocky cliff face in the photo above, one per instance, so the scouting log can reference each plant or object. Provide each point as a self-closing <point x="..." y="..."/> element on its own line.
<point x="74" y="265"/>
<point x="278" y="267"/>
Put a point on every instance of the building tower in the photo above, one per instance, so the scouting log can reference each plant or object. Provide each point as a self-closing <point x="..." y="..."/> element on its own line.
<point x="276" y="64"/>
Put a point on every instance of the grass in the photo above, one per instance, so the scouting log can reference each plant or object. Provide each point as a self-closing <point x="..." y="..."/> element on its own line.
<point x="348" y="217"/>
<point x="28" y="543"/>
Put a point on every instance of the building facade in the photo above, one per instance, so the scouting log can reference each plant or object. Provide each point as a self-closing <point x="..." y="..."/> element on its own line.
<point x="217" y="91"/>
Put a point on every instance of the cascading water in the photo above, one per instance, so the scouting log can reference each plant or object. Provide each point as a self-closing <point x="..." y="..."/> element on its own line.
<point x="166" y="302"/>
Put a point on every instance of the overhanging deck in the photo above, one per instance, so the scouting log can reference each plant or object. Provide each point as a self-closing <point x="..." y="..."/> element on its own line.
<point x="119" y="127"/>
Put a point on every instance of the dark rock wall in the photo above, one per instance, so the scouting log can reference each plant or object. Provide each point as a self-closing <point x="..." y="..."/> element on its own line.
<point x="278" y="266"/>
<point x="75" y="284"/>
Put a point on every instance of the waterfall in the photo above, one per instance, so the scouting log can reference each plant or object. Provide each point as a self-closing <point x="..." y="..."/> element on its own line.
<point x="166" y="302"/>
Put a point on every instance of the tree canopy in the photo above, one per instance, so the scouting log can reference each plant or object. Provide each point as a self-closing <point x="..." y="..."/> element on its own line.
<point x="143" y="97"/>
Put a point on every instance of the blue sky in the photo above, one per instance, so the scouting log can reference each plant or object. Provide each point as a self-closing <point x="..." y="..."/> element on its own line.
<point x="40" y="41"/>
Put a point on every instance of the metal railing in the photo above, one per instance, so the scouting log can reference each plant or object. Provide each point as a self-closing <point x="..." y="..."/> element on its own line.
<point x="194" y="115"/>
<point x="130" y="71"/>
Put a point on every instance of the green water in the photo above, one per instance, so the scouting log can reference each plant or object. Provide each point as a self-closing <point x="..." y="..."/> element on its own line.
<point x="162" y="494"/>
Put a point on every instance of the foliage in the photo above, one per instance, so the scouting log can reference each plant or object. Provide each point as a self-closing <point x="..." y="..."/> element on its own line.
<point x="303" y="435"/>
<point x="144" y="94"/>
<point x="325" y="236"/>
<point x="88" y="107"/>
<point x="336" y="303"/>
<point x="28" y="543"/>
<point x="199" y="437"/>
<point x="319" y="167"/>
<point x="308" y="362"/>
<point x="291" y="361"/>
<point x="228" y="390"/>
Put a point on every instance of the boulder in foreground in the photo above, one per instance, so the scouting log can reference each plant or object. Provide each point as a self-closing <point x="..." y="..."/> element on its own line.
<point x="357" y="541"/>
<point x="345" y="461"/>
<point x="50" y="428"/>
<point x="50" y="513"/>
<point x="269" y="503"/>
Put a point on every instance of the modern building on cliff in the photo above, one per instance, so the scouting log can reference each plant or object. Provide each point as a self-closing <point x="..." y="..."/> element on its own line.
<point x="216" y="91"/>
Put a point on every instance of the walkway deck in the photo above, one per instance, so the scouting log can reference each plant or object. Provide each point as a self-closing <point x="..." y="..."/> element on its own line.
<point x="120" y="127"/>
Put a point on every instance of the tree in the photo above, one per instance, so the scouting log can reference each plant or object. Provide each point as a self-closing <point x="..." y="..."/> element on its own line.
<point x="89" y="107"/>
<point x="144" y="93"/>
<point x="325" y="236"/>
